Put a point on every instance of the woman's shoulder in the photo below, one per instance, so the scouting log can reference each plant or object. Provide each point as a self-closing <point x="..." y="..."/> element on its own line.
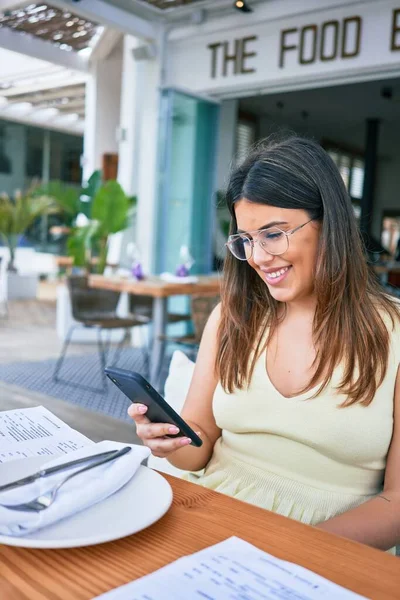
<point x="215" y="315"/>
<point x="389" y="310"/>
<point x="213" y="322"/>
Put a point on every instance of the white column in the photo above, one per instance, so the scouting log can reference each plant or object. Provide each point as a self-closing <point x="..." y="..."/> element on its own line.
<point x="128" y="141"/>
<point x="103" y="94"/>
<point x="139" y="141"/>
<point x="147" y="165"/>
<point x="129" y="124"/>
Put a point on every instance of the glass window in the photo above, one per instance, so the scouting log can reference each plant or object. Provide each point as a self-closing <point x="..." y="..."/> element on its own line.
<point x="34" y="154"/>
<point x="351" y="168"/>
<point x="390" y="233"/>
<point x="357" y="178"/>
<point x="245" y="138"/>
<point x="66" y="151"/>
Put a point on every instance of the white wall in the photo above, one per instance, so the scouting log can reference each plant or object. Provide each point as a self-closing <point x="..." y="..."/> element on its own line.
<point x="109" y="73"/>
<point x="103" y="98"/>
<point x="273" y="60"/>
<point x="149" y="81"/>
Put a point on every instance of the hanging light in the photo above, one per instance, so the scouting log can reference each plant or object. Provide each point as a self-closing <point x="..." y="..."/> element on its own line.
<point x="242" y="5"/>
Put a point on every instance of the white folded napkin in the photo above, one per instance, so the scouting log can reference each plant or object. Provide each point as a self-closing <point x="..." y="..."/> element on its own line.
<point x="171" y="278"/>
<point x="77" y="494"/>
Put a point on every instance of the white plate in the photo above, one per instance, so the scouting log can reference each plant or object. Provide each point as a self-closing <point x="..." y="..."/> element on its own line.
<point x="139" y="504"/>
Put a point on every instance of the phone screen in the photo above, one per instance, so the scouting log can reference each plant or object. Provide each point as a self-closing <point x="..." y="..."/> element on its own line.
<point x="140" y="391"/>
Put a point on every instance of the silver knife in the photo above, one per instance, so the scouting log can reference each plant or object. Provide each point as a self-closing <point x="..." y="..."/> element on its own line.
<point x="55" y="469"/>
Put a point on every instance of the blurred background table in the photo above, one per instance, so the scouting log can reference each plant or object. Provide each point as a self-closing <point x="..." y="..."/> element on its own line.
<point x="160" y="290"/>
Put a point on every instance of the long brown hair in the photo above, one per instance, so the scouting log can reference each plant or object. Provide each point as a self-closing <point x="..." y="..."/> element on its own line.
<point x="350" y="323"/>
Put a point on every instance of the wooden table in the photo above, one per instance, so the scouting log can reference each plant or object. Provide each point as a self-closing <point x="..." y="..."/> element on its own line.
<point x="160" y="291"/>
<point x="197" y="519"/>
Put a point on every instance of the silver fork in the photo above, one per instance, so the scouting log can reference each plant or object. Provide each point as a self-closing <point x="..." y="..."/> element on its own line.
<point x="45" y="500"/>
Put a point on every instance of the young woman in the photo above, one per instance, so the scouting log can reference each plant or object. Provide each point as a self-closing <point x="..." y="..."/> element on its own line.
<point x="296" y="392"/>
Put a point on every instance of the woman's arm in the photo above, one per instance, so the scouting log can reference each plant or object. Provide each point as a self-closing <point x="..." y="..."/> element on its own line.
<point x="197" y="410"/>
<point x="377" y="522"/>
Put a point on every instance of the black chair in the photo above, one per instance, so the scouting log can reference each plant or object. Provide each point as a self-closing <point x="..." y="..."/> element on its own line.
<point x="201" y="308"/>
<point x="143" y="305"/>
<point x="96" y="309"/>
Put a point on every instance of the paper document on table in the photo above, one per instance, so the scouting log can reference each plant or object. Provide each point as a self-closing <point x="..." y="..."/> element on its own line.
<point x="231" y="570"/>
<point x="29" y="432"/>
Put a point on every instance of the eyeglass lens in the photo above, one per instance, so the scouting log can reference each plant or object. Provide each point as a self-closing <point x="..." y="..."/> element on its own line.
<point x="273" y="241"/>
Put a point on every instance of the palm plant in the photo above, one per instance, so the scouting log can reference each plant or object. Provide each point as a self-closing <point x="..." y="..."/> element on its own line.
<point x="72" y="200"/>
<point x="17" y="214"/>
<point x="107" y="210"/>
<point x="109" y="214"/>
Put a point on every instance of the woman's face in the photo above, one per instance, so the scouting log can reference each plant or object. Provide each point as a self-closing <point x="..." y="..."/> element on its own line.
<point x="289" y="276"/>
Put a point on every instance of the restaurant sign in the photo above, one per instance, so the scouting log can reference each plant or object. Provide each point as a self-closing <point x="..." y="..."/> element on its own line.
<point x="329" y="43"/>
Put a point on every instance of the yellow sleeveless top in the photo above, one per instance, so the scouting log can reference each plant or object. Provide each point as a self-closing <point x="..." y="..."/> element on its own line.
<point x="303" y="458"/>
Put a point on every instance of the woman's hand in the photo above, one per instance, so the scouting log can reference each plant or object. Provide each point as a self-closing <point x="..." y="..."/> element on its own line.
<point x="153" y="435"/>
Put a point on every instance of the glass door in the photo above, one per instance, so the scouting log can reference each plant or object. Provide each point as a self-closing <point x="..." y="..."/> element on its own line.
<point x="186" y="171"/>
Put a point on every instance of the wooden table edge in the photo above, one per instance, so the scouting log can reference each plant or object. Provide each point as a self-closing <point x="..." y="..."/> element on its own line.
<point x="155" y="288"/>
<point x="198" y="518"/>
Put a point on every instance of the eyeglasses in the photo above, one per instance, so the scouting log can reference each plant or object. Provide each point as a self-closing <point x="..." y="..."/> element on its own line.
<point x="273" y="240"/>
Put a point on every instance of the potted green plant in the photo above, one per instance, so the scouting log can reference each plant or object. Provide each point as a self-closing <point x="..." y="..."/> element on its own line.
<point x="110" y="211"/>
<point x="71" y="200"/>
<point x="17" y="214"/>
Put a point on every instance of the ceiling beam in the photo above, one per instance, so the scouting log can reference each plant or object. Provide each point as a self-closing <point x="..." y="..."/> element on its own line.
<point x="36" y="48"/>
<point x="108" y="15"/>
<point x="48" y="94"/>
<point x="72" y="106"/>
<point x="57" y="123"/>
<point x="46" y="81"/>
<point x="106" y="44"/>
<point x="78" y="103"/>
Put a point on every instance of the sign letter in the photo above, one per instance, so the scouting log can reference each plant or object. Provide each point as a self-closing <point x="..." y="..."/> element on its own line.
<point x="285" y="46"/>
<point x="214" y="48"/>
<point x="235" y="57"/>
<point x="357" y="23"/>
<point x="246" y="54"/>
<point x="323" y="54"/>
<point x="314" y="33"/>
<point x="395" y="45"/>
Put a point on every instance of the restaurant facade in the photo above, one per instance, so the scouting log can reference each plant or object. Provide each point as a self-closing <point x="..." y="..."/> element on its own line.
<point x="178" y="91"/>
<point x="326" y="69"/>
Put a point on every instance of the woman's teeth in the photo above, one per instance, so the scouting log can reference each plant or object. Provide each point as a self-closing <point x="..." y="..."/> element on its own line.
<point x="275" y="274"/>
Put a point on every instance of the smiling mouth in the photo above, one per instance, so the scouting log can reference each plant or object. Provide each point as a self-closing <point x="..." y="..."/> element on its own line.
<point x="276" y="276"/>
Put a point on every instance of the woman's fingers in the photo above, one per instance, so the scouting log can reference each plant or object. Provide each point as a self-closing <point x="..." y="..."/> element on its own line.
<point x="155" y="430"/>
<point x="137" y="413"/>
<point x="153" y="435"/>
<point x="162" y="447"/>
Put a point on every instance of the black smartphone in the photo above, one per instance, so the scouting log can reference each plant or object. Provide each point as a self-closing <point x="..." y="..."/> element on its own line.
<point x="139" y="390"/>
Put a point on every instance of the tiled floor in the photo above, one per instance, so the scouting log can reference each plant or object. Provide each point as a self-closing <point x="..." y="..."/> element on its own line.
<point x="29" y="331"/>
